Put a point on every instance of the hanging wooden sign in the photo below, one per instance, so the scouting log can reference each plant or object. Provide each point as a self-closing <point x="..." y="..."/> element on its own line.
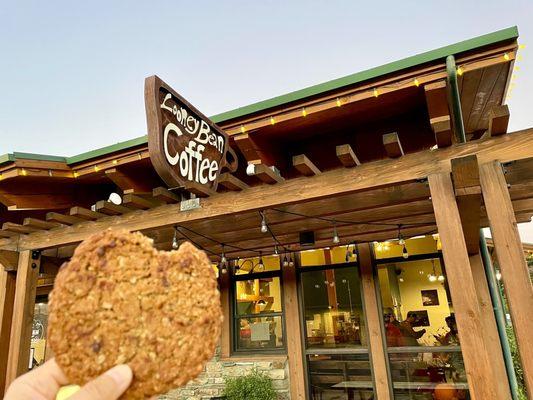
<point x="186" y="148"/>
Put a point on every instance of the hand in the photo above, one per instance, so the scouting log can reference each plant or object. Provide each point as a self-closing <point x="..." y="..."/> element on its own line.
<point x="44" y="382"/>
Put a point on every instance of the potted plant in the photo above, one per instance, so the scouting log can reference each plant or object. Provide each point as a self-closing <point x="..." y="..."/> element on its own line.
<point x="254" y="386"/>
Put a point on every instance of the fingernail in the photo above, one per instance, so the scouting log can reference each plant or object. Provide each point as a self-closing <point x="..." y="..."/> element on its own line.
<point x="121" y="374"/>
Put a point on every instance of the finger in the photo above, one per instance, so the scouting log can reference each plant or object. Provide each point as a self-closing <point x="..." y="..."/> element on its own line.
<point x="108" y="386"/>
<point x="42" y="382"/>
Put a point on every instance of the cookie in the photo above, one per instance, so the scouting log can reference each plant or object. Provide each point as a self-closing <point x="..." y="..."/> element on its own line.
<point x="120" y="301"/>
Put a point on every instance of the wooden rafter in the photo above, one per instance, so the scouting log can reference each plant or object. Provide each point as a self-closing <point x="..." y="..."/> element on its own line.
<point x="9" y="259"/>
<point x="85" y="213"/>
<point x="439" y="113"/>
<point x="498" y="120"/>
<point x="165" y="196"/>
<point x="17" y="228"/>
<point x="231" y="182"/>
<point x="392" y="145"/>
<point x="128" y="182"/>
<point x="62" y="219"/>
<point x="304" y="165"/>
<point x="109" y="208"/>
<point x="266" y="174"/>
<point x="139" y="203"/>
<point x="40" y="224"/>
<point x="347" y="156"/>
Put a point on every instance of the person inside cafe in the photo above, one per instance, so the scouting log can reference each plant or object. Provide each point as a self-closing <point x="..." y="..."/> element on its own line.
<point x="409" y="335"/>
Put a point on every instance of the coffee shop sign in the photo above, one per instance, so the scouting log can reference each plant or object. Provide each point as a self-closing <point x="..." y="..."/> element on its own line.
<point x="186" y="148"/>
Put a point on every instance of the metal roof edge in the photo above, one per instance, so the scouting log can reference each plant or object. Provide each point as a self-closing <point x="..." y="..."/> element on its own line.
<point x="107" y="150"/>
<point x="395" y="66"/>
<point x="6" y="158"/>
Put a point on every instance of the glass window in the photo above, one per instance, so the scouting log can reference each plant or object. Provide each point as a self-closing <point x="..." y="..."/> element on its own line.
<point x="333" y="308"/>
<point x="258" y="306"/>
<point x="333" y="255"/>
<point x="38" y="334"/>
<point x="422" y="339"/>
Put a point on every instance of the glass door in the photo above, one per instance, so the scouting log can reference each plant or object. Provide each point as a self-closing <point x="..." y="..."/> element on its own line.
<point x="336" y="345"/>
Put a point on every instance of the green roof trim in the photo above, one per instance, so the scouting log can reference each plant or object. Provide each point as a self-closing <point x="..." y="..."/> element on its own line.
<point x="12" y="157"/>
<point x="335" y="84"/>
<point x="423" y="58"/>
<point x="107" y="150"/>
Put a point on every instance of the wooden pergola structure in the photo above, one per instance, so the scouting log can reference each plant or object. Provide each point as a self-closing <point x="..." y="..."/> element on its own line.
<point x="377" y="147"/>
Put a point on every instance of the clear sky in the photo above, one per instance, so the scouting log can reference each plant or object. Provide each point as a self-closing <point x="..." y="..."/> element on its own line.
<point x="72" y="72"/>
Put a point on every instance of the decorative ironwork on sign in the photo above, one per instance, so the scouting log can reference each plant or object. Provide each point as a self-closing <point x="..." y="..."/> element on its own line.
<point x="186" y="148"/>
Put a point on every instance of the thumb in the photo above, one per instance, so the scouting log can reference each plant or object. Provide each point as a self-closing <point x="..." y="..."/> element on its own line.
<point x="108" y="386"/>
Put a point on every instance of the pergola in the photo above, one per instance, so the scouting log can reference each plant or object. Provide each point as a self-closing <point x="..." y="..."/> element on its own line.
<point x="375" y="152"/>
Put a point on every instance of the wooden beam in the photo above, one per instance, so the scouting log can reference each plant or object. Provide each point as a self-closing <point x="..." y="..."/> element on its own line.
<point x="16" y="228"/>
<point x="332" y="183"/>
<point x="392" y="144"/>
<point x="478" y="363"/>
<point x="24" y="303"/>
<point x="439" y="113"/>
<point x="465" y="174"/>
<point x="490" y="329"/>
<point x="7" y="298"/>
<point x="267" y="174"/>
<point x="127" y="181"/>
<point x="6" y="234"/>
<point x="85" y="213"/>
<point x="199" y="190"/>
<point x="138" y="202"/>
<point x="109" y="208"/>
<point x="304" y="165"/>
<point x="165" y="196"/>
<point x="9" y="260"/>
<point x="62" y="219"/>
<point x="374" y="324"/>
<point x="250" y="149"/>
<point x="293" y="334"/>
<point x="498" y="120"/>
<point x="347" y="156"/>
<point x="513" y="266"/>
<point x="40" y="224"/>
<point x="231" y="182"/>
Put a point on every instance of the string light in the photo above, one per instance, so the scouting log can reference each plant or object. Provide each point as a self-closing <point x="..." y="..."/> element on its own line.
<point x="260" y="265"/>
<point x="75" y="174"/>
<point x="243" y="129"/>
<point x="433" y="276"/>
<point x="272" y="121"/>
<point x="175" y="243"/>
<point x="115" y="162"/>
<point x="401" y="240"/>
<point x="285" y="262"/>
<point x="417" y="83"/>
<point x="460" y="71"/>
<point x="276" y="251"/>
<point x="96" y="168"/>
<point x="375" y="92"/>
<point x="291" y="261"/>
<point x="223" y="262"/>
<point x="304" y="112"/>
<point x="441" y="278"/>
<point x="338" y="102"/>
<point x="336" y="239"/>
<point x="405" y="254"/>
<point x="264" y="226"/>
<point x="23" y="172"/>
<point x="521" y="46"/>
<point x="506" y="57"/>
<point x="498" y="275"/>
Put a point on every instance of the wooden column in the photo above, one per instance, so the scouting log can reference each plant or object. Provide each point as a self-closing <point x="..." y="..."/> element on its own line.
<point x="7" y="297"/>
<point x="490" y="330"/>
<point x="513" y="267"/>
<point x="376" y="344"/>
<point x="294" y="334"/>
<point x="20" y="338"/>
<point x="478" y="362"/>
<point x="225" y="337"/>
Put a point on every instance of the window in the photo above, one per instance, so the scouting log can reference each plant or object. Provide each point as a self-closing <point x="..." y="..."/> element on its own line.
<point x="38" y="333"/>
<point x="258" y="306"/>
<point x="423" y="343"/>
<point x="336" y="339"/>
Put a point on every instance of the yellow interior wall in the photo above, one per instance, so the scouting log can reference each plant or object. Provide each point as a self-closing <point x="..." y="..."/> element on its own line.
<point x="318" y="257"/>
<point x="424" y="245"/>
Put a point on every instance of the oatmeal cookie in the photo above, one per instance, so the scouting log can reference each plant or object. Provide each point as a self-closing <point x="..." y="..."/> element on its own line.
<point x="119" y="300"/>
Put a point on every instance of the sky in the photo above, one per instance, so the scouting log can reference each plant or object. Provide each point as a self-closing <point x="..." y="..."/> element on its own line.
<point x="72" y="73"/>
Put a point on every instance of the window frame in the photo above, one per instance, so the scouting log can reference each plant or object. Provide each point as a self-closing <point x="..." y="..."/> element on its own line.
<point x="234" y="278"/>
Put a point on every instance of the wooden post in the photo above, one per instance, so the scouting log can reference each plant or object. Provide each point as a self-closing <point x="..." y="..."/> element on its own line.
<point x="7" y="297"/>
<point x="478" y="362"/>
<point x="20" y="338"/>
<point x="513" y="267"/>
<point x="490" y="330"/>
<point x="294" y="334"/>
<point x="375" y="331"/>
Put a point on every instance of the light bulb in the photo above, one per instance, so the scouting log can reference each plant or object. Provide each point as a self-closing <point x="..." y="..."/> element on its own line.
<point x="223" y="270"/>
<point x="175" y="243"/>
<point x="400" y="279"/>
<point x="285" y="263"/>
<point x="405" y="254"/>
<point x="498" y="275"/>
<point x="291" y="263"/>
<point x="460" y="71"/>
<point x="304" y="112"/>
<point x="338" y="102"/>
<point x="272" y="121"/>
<point x="417" y="83"/>
<point x="264" y="227"/>
<point x="401" y="240"/>
<point x="276" y="252"/>
<point x="243" y="129"/>
<point x="506" y="57"/>
<point x="223" y="259"/>
<point x="376" y="93"/>
<point x="336" y="239"/>
<point x="441" y="278"/>
<point x="432" y="278"/>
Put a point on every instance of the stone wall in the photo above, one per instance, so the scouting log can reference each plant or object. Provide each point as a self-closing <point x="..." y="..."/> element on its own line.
<point x="210" y="383"/>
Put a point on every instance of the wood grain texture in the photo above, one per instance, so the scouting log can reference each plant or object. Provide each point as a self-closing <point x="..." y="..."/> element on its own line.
<point x="294" y="334"/>
<point x="109" y="208"/>
<point x="267" y="174"/>
<point x="513" y="267"/>
<point x="139" y="203"/>
<point x="127" y="182"/>
<point x="498" y="120"/>
<point x="85" y="213"/>
<point x="347" y="156"/>
<point x="442" y="128"/>
<point x="375" y="330"/>
<point x="231" y="182"/>
<point x="478" y="364"/>
<point x="62" y="219"/>
<point x="488" y="321"/>
<point x="439" y="113"/>
<point x="23" y="307"/>
<point x="7" y="298"/>
<point x="9" y="260"/>
<point x="40" y="224"/>
<point x="166" y="196"/>
<point x="328" y="184"/>
<point x="17" y="228"/>
<point x="304" y="165"/>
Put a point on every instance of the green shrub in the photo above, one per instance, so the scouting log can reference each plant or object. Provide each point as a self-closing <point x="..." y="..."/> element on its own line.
<point x="516" y="361"/>
<point x="254" y="386"/>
